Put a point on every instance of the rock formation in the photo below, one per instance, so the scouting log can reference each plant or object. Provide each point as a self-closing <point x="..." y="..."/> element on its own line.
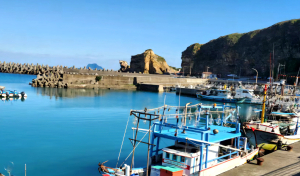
<point x="148" y="62"/>
<point x="238" y="53"/>
<point x="124" y="66"/>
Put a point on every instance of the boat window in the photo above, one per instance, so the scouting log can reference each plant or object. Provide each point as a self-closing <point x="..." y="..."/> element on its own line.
<point x="245" y="91"/>
<point x="174" y="157"/>
<point x="168" y="155"/>
<point x="182" y="159"/>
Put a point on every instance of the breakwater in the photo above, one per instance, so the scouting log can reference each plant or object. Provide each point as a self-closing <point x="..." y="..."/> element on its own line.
<point x="64" y="77"/>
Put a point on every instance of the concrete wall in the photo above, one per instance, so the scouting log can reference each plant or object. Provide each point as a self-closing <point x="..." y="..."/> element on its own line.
<point x="169" y="80"/>
<point x="79" y="79"/>
<point x="151" y="87"/>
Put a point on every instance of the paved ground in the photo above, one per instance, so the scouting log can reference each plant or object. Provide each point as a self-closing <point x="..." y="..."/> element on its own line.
<point x="277" y="163"/>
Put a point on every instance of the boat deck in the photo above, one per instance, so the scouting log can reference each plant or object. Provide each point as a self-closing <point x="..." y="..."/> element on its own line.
<point x="224" y="134"/>
<point x="277" y="163"/>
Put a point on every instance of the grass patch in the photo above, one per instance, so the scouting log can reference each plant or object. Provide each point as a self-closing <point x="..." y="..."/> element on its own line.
<point x="160" y="59"/>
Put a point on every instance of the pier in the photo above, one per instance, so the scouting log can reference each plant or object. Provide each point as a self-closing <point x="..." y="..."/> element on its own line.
<point x="280" y="162"/>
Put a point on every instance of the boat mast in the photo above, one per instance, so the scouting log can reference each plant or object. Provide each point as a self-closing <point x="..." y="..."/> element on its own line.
<point x="270" y="73"/>
<point x="150" y="119"/>
<point x="264" y="105"/>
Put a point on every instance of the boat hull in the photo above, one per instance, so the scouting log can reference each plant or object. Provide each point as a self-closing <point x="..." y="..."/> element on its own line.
<point x="220" y="99"/>
<point x="227" y="165"/>
<point x="269" y="137"/>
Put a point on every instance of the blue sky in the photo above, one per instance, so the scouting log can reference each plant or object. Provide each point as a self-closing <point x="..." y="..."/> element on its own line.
<point x="78" y="32"/>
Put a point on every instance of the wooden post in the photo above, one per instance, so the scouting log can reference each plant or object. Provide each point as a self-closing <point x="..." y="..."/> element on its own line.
<point x="137" y="129"/>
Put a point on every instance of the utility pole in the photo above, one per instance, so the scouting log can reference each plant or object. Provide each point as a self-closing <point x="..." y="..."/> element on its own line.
<point x="256" y="74"/>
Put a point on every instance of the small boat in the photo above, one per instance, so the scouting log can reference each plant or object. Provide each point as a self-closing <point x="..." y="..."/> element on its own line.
<point x="208" y="147"/>
<point x="220" y="96"/>
<point x="3" y="93"/>
<point x="15" y="94"/>
<point x="9" y="93"/>
<point x="23" y="94"/>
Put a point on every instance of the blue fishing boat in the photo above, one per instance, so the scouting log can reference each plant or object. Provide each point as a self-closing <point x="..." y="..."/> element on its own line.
<point x="206" y="147"/>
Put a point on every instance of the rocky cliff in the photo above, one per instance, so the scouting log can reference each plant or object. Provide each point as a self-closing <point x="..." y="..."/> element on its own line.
<point x="149" y="62"/>
<point x="237" y="53"/>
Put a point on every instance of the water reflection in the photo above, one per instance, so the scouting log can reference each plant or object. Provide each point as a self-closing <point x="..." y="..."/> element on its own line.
<point x="69" y="93"/>
<point x="13" y="99"/>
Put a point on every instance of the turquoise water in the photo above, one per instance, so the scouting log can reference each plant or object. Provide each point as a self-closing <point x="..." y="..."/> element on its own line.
<point x="68" y="131"/>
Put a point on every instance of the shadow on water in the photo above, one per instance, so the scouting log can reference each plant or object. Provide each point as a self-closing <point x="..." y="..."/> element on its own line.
<point x="69" y="93"/>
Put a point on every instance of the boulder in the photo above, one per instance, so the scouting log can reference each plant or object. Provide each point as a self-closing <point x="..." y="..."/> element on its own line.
<point x="124" y="66"/>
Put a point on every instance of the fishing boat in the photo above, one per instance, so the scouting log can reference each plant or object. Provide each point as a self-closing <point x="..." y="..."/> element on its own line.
<point x="220" y="96"/>
<point x="210" y="146"/>
<point x="249" y="96"/>
<point x="279" y="127"/>
<point x="282" y="128"/>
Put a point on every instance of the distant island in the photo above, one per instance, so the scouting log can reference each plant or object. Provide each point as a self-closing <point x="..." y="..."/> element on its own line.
<point x="94" y="66"/>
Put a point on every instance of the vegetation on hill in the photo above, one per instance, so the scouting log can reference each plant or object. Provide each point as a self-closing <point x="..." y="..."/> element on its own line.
<point x="177" y="69"/>
<point x="238" y="53"/>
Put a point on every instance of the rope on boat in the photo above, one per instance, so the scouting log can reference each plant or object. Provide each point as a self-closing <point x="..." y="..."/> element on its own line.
<point x="135" y="147"/>
<point x="122" y="142"/>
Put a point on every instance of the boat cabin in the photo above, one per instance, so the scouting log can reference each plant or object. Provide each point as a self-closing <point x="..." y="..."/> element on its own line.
<point x="187" y="157"/>
<point x="221" y="93"/>
<point x="243" y="93"/>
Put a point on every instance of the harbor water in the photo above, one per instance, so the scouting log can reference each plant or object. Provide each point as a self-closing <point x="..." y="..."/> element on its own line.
<point x="69" y="131"/>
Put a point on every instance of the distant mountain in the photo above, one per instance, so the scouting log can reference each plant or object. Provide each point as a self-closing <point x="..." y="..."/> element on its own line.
<point x="93" y="66"/>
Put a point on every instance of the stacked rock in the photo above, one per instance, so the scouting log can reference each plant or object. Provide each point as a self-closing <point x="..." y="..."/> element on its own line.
<point x="22" y="69"/>
<point x="51" y="77"/>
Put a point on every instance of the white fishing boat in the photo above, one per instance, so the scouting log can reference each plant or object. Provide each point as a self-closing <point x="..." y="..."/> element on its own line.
<point x="219" y="95"/>
<point x="249" y="96"/>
